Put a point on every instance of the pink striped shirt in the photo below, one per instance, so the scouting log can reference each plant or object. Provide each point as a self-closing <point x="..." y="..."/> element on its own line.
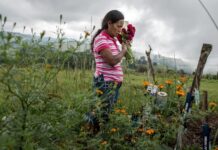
<point x="103" y="41"/>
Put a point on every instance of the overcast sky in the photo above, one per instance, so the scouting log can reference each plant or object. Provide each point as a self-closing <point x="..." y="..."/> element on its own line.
<point x="171" y="27"/>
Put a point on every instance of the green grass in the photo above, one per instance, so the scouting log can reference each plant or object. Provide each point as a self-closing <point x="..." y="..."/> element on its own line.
<point x="132" y="90"/>
<point x="71" y="96"/>
<point x="212" y="87"/>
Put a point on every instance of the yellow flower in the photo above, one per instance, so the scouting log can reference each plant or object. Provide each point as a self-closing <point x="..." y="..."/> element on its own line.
<point x="146" y="83"/>
<point x="103" y="142"/>
<point x="113" y="130"/>
<point x="86" y="34"/>
<point x="180" y="93"/>
<point x="123" y="111"/>
<point x="161" y="86"/>
<point x="99" y="92"/>
<point x="117" y="110"/>
<point x="149" y="131"/>
<point x="183" y="79"/>
<point x="168" y="82"/>
<point x="179" y="87"/>
<point x="212" y="104"/>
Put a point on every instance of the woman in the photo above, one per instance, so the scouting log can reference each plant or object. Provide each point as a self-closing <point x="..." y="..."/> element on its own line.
<point x="108" y="75"/>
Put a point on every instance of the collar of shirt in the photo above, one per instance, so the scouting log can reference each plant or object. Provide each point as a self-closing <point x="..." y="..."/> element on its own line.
<point x="108" y="36"/>
<point x="111" y="38"/>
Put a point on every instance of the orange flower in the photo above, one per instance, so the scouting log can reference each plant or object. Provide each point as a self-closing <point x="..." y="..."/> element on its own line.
<point x="183" y="79"/>
<point x="179" y="87"/>
<point x="216" y="148"/>
<point x="161" y="86"/>
<point x="169" y="82"/>
<point x="117" y="110"/>
<point x="180" y="93"/>
<point x="146" y="83"/>
<point x="123" y="111"/>
<point x="149" y="131"/>
<point x="212" y="104"/>
<point x="99" y="92"/>
<point x="113" y="130"/>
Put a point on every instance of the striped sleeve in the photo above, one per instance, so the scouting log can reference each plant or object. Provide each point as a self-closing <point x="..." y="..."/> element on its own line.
<point x="101" y="43"/>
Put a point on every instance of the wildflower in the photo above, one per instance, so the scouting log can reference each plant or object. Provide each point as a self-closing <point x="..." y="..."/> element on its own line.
<point x="179" y="87"/>
<point x="169" y="82"/>
<point x="149" y="131"/>
<point x="180" y="93"/>
<point x="99" y="92"/>
<point x="123" y="111"/>
<point x="127" y="35"/>
<point x="103" y="142"/>
<point x="183" y="79"/>
<point x="113" y="130"/>
<point x="212" y="104"/>
<point x="117" y="110"/>
<point x="161" y="86"/>
<point x="86" y="34"/>
<point x="146" y="83"/>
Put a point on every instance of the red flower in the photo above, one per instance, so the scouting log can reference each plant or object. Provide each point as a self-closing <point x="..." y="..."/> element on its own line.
<point x="127" y="35"/>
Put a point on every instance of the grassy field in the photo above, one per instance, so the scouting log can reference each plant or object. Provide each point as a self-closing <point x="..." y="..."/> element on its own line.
<point x="39" y="110"/>
<point x="75" y="83"/>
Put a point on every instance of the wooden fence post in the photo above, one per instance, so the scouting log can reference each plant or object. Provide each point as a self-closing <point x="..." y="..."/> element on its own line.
<point x="205" y="51"/>
<point x="205" y="101"/>
<point x="150" y="66"/>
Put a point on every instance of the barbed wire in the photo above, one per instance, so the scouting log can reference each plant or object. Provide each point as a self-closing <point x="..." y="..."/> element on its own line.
<point x="209" y="14"/>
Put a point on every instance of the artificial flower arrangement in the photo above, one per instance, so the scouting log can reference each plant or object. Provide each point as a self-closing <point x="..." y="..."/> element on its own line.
<point x="127" y="35"/>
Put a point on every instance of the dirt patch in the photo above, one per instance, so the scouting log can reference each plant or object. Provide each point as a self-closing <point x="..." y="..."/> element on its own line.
<point x="193" y="133"/>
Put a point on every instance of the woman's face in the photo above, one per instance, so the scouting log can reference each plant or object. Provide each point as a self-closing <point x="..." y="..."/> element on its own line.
<point x="115" y="28"/>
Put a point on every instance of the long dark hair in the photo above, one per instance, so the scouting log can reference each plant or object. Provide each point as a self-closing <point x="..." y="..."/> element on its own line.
<point x="113" y="16"/>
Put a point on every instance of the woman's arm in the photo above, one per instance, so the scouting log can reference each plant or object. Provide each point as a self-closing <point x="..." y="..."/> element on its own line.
<point x="112" y="60"/>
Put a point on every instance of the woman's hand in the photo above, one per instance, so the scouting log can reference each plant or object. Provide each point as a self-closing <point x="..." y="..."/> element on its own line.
<point x="125" y="46"/>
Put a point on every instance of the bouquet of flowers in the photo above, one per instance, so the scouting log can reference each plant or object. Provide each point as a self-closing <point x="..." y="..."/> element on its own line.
<point x="127" y="35"/>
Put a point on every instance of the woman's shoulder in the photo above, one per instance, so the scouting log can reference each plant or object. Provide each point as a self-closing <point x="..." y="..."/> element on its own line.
<point x="100" y="37"/>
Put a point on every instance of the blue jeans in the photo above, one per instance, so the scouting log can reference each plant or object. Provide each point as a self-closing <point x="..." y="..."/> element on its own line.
<point x="107" y="87"/>
<point x="110" y="94"/>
